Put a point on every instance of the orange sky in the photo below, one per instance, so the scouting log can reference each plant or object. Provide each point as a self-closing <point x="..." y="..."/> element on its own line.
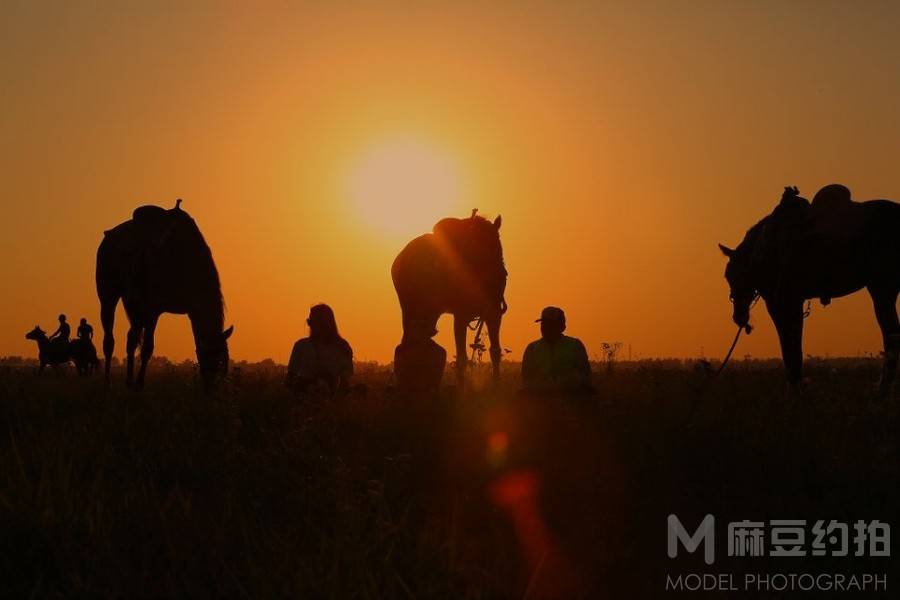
<point x="620" y="142"/>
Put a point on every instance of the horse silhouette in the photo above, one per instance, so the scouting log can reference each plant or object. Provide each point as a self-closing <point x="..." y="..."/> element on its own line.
<point x="54" y="353"/>
<point x="158" y="262"/>
<point x="826" y="249"/>
<point x="456" y="269"/>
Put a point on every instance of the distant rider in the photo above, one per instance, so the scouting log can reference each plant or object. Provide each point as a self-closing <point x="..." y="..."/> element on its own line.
<point x="60" y="337"/>
<point x="85" y="332"/>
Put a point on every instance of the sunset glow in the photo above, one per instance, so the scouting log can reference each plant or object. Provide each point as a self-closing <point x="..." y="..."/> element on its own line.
<point x="449" y="299"/>
<point x="311" y="142"/>
<point x="401" y="186"/>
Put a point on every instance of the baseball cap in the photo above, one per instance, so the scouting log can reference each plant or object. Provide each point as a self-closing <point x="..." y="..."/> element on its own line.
<point x="552" y="313"/>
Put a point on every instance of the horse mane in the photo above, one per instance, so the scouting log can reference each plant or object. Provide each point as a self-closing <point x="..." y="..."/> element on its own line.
<point x="207" y="280"/>
<point x="791" y="208"/>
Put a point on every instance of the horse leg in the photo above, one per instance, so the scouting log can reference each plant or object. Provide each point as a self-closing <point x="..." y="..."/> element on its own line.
<point x="788" y="318"/>
<point x="460" y="328"/>
<point x="493" y="327"/>
<point x="108" y="318"/>
<point x="885" y="302"/>
<point x="406" y="316"/>
<point x="133" y="341"/>
<point x="146" y="349"/>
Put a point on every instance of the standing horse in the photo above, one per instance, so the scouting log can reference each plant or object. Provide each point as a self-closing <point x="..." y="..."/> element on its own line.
<point x="158" y="262"/>
<point x="456" y="269"/>
<point x="57" y="353"/>
<point x="830" y="248"/>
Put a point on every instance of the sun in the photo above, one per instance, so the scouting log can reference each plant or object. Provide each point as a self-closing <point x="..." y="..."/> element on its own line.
<point x="402" y="186"/>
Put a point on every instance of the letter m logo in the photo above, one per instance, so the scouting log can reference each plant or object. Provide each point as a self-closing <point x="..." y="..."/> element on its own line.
<point x="705" y="534"/>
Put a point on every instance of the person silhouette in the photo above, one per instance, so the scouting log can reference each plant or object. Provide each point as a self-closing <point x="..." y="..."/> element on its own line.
<point x="60" y="337"/>
<point x="556" y="363"/>
<point x="322" y="362"/>
<point x="84" y="332"/>
<point x="419" y="361"/>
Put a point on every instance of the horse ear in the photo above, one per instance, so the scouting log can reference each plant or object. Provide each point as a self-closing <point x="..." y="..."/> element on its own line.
<point x="227" y="333"/>
<point x="497" y="222"/>
<point x="726" y="250"/>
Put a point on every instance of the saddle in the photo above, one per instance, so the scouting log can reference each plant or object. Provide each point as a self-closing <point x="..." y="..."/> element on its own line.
<point x="831" y="219"/>
<point x="154" y="226"/>
<point x="834" y="218"/>
<point x="156" y="219"/>
<point x="59" y="347"/>
<point x="821" y="230"/>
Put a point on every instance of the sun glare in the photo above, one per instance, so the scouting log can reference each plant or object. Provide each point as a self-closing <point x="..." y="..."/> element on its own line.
<point x="401" y="187"/>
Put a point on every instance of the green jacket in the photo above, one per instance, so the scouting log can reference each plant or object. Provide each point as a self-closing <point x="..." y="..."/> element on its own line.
<point x="558" y="366"/>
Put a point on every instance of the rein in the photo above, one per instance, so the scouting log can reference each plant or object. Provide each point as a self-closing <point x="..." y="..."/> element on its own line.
<point x="806" y="312"/>
<point x="721" y="368"/>
<point x="737" y="336"/>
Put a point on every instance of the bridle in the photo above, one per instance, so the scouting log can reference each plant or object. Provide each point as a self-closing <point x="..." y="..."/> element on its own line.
<point x="477" y="325"/>
<point x="756" y="296"/>
<point x="737" y="335"/>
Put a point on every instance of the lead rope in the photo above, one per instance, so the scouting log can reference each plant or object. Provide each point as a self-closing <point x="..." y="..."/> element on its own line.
<point x="721" y="368"/>
<point x="737" y="336"/>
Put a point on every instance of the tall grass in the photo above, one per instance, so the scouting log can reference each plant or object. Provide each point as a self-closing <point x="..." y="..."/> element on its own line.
<point x="250" y="493"/>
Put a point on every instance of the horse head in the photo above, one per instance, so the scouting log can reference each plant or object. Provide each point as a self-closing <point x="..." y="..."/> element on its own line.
<point x="741" y="285"/>
<point x="752" y="267"/>
<point x="212" y="355"/>
<point x="37" y="334"/>
<point x="476" y="242"/>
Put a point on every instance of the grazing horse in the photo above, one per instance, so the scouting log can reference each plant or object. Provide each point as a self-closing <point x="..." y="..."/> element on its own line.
<point x="158" y="262"/>
<point x="57" y="353"/>
<point x="456" y="269"/>
<point x="826" y="249"/>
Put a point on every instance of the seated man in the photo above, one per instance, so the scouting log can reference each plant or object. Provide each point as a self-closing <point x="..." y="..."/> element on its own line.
<point x="556" y="363"/>
<point x="322" y="362"/>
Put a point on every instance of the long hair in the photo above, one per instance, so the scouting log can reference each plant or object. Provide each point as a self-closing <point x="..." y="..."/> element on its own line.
<point x="322" y="324"/>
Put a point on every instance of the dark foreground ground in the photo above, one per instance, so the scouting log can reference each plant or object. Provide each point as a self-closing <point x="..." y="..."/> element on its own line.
<point x="169" y="493"/>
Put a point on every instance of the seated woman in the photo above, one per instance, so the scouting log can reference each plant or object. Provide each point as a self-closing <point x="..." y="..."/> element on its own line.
<point x="322" y="362"/>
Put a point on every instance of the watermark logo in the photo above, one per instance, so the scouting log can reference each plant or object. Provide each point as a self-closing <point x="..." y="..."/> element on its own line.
<point x="779" y="538"/>
<point x="782" y="537"/>
<point x="705" y="534"/>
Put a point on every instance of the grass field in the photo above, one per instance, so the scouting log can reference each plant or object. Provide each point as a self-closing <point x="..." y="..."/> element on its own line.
<point x="170" y="493"/>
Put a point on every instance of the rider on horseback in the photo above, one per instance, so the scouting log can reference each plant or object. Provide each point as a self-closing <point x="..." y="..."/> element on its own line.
<point x="85" y="332"/>
<point x="60" y="337"/>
